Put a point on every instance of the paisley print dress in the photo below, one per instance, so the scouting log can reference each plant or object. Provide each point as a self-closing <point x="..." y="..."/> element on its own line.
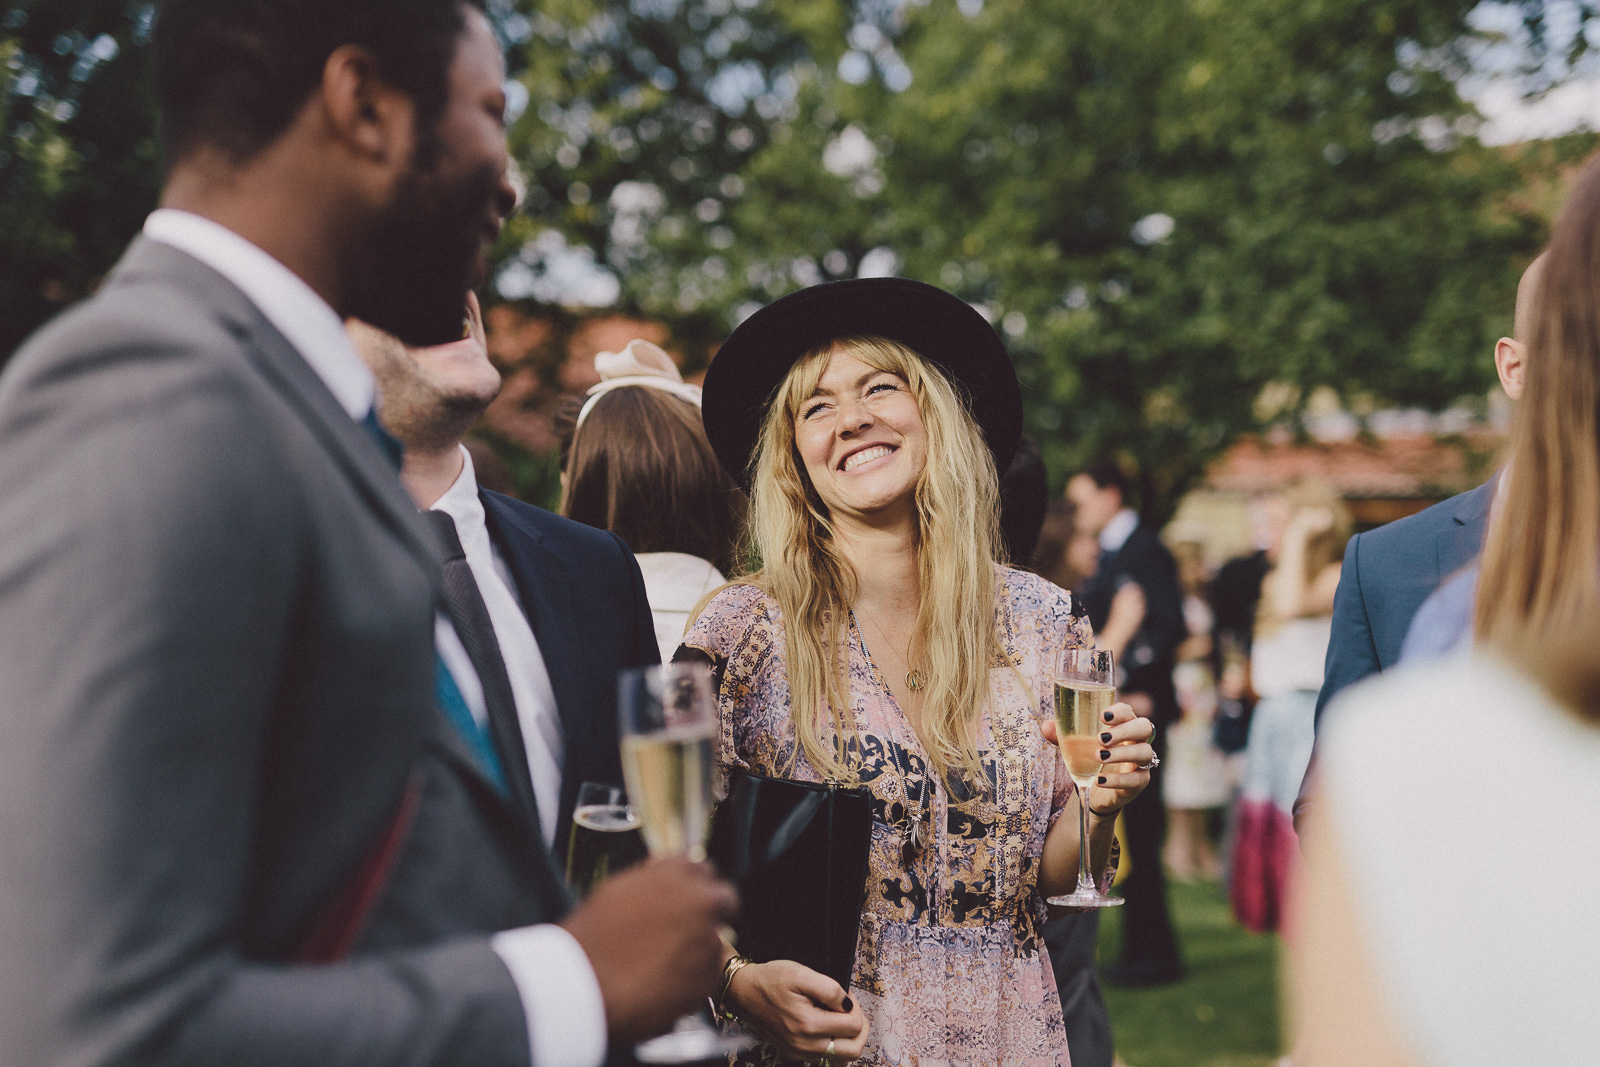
<point x="950" y="965"/>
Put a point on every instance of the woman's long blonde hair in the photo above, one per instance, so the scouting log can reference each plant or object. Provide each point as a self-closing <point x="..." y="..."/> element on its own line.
<point x="957" y="506"/>
<point x="1540" y="581"/>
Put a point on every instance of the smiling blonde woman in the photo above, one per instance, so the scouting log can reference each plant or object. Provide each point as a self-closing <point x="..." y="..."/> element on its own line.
<point x="882" y="643"/>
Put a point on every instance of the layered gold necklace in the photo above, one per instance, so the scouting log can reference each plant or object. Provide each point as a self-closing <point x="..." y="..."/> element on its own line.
<point x="917" y="834"/>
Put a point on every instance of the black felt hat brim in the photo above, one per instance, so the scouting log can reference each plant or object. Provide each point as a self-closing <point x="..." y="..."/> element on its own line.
<point x="941" y="328"/>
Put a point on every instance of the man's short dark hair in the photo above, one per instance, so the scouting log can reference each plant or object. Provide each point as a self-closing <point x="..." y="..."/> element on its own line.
<point x="1107" y="475"/>
<point x="232" y="74"/>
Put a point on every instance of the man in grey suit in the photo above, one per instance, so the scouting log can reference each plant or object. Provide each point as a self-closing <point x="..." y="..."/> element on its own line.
<point x="1389" y="572"/>
<point x="234" y="827"/>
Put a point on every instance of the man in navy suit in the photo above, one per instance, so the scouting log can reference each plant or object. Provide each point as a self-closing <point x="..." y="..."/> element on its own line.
<point x="566" y="601"/>
<point x="1390" y="571"/>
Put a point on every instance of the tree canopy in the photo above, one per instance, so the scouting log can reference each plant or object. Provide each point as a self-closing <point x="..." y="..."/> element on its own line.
<point x="1183" y="215"/>
<point x="1168" y="206"/>
<point x="79" y="165"/>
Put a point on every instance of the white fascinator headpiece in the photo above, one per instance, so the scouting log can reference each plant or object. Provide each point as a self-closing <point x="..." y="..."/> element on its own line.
<point x="641" y="364"/>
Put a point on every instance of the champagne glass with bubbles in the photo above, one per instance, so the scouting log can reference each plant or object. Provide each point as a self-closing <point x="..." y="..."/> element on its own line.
<point x="605" y="836"/>
<point x="667" y="716"/>
<point x="1085" y="687"/>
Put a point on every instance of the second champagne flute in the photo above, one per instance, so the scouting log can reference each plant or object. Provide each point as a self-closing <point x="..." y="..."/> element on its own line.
<point x="605" y="836"/>
<point x="1084" y="688"/>
<point x="667" y="716"/>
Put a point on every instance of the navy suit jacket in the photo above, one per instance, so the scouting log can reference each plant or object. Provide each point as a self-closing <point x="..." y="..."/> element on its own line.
<point x="584" y="597"/>
<point x="1387" y="574"/>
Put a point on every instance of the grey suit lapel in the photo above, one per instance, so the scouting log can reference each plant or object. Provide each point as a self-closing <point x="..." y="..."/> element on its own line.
<point x="277" y="363"/>
<point x="286" y="372"/>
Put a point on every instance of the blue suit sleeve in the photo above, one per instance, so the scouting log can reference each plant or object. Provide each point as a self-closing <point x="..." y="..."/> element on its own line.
<point x="1352" y="656"/>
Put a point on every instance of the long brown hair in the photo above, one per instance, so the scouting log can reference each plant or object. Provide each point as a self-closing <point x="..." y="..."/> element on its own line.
<point x="1540" y="576"/>
<point x="640" y="466"/>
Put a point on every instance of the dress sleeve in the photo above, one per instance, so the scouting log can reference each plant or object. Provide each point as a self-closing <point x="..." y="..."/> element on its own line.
<point x="734" y="631"/>
<point x="1037" y="621"/>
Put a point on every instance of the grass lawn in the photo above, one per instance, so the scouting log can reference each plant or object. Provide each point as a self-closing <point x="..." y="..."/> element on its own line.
<point x="1223" y="1014"/>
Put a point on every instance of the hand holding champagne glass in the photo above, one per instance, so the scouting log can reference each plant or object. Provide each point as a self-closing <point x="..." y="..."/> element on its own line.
<point x="1084" y="689"/>
<point x="667" y="716"/>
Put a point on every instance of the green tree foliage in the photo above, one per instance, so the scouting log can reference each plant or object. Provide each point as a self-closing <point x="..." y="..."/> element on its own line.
<point x="642" y="119"/>
<point x="1171" y="204"/>
<point x="79" y="166"/>
<point x="1167" y="205"/>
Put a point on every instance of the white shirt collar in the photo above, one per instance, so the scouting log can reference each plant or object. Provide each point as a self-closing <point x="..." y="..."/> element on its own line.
<point x="303" y="317"/>
<point x="1118" y="530"/>
<point x="461" y="501"/>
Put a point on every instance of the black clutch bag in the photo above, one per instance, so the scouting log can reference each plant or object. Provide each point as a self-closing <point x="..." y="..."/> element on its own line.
<point x="798" y="853"/>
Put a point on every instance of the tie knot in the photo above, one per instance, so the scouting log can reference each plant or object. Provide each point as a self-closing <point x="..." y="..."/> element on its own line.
<point x="449" y="540"/>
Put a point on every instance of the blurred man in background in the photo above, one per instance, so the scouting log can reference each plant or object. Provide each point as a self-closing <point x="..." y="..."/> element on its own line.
<point x="1389" y="572"/>
<point x="1132" y="553"/>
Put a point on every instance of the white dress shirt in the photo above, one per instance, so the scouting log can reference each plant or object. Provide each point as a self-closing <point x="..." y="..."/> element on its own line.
<point x="559" y="993"/>
<point x="530" y="680"/>
<point x="1115" y="533"/>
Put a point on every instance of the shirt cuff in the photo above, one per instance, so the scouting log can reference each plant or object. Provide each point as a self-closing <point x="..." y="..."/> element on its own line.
<point x="560" y="996"/>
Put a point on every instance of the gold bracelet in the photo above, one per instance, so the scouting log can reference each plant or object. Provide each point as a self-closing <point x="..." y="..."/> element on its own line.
<point x="733" y="966"/>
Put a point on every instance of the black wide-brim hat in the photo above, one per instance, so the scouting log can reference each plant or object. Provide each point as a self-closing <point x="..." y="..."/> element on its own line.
<point x="943" y="329"/>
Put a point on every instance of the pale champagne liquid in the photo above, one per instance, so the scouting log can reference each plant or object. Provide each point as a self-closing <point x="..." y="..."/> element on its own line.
<point x="605" y="839"/>
<point x="1079" y="723"/>
<point x="668" y="775"/>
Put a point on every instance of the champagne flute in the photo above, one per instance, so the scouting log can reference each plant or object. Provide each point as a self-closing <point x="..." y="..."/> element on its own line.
<point x="667" y="716"/>
<point x="1085" y="687"/>
<point x="605" y="836"/>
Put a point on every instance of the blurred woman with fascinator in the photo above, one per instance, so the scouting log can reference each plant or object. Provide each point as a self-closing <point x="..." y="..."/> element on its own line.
<point x="637" y="463"/>
<point x="883" y="643"/>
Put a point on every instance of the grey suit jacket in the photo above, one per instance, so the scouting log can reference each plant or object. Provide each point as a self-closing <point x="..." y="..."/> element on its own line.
<point x="216" y="681"/>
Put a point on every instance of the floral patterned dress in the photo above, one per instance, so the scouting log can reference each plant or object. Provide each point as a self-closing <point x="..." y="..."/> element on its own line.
<point x="950" y="965"/>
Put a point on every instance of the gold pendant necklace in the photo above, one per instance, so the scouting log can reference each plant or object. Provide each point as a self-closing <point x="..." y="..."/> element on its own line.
<point x="914" y="678"/>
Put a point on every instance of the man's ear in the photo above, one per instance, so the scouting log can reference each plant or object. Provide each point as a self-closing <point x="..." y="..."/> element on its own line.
<point x="1511" y="362"/>
<point x="363" y="110"/>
